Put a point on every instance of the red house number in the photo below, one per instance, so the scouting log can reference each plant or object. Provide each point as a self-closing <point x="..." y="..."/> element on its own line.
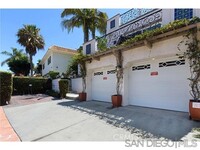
<point x="155" y="73"/>
<point x="104" y="78"/>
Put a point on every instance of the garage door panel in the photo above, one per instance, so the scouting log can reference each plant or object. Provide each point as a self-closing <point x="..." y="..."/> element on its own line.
<point x="103" y="86"/>
<point x="167" y="90"/>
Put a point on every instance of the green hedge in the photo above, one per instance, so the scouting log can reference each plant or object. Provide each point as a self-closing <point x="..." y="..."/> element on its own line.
<point x="5" y="87"/>
<point x="63" y="87"/>
<point x="21" y="85"/>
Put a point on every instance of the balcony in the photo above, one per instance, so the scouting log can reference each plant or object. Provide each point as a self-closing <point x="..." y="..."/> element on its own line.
<point x="129" y="28"/>
<point x="133" y="14"/>
<point x="131" y="23"/>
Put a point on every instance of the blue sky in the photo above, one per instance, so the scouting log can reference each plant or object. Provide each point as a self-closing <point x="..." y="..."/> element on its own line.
<point x="48" y="20"/>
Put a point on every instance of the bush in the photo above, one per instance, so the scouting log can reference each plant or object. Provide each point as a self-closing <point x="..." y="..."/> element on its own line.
<point x="63" y="87"/>
<point x="53" y="74"/>
<point x="53" y="93"/>
<point x="5" y="87"/>
<point x="31" y="85"/>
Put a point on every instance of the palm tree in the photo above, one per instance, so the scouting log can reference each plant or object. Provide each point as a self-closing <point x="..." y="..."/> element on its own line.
<point x="32" y="40"/>
<point x="89" y="19"/>
<point x="16" y="54"/>
<point x="99" y="22"/>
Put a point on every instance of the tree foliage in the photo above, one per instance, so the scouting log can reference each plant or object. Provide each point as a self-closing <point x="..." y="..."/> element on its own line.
<point x="20" y="66"/>
<point x="53" y="74"/>
<point x="38" y="68"/>
<point x="192" y="53"/>
<point x="18" y="62"/>
<point x="29" y="36"/>
<point x="88" y="19"/>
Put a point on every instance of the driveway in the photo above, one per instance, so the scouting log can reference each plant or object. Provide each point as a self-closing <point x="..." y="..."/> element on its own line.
<point x="67" y="120"/>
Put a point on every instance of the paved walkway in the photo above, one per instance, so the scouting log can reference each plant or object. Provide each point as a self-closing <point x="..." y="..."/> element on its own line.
<point x="19" y="100"/>
<point x="6" y="131"/>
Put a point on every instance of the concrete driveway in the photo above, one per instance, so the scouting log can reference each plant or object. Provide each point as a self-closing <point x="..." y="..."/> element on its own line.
<point x="66" y="120"/>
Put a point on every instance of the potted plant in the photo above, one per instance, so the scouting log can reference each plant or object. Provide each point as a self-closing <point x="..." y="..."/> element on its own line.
<point x="83" y="94"/>
<point x="117" y="98"/>
<point x="82" y="65"/>
<point x="192" y="53"/>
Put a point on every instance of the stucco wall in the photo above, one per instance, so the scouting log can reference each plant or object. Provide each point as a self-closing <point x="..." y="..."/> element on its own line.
<point x="77" y="85"/>
<point x="93" y="46"/>
<point x="55" y="85"/>
<point x="104" y="62"/>
<point x="117" y="23"/>
<point x="168" y="15"/>
<point x="47" y="67"/>
<point x="166" y="48"/>
<point x="60" y="62"/>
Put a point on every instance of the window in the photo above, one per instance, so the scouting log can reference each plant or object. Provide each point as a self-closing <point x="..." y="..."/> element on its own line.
<point x="141" y="67"/>
<point x="49" y="60"/>
<point x="183" y="13"/>
<point x="172" y="63"/>
<point x="43" y="66"/>
<point x="112" y="24"/>
<point x="88" y="49"/>
<point x="111" y="72"/>
<point x="98" y="73"/>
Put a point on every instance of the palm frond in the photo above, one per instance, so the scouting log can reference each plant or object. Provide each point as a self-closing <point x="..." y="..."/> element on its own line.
<point x="5" y="61"/>
<point x="6" y="53"/>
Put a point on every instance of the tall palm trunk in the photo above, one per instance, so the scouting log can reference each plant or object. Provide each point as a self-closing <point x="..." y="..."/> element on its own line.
<point x="86" y="33"/>
<point x="31" y="64"/>
<point x="93" y="33"/>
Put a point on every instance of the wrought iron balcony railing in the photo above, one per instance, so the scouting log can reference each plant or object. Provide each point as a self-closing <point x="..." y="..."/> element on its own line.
<point x="148" y="21"/>
<point x="133" y="14"/>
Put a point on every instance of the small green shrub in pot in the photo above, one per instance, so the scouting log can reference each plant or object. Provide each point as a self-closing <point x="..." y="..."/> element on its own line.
<point x="63" y="87"/>
<point x="6" y="83"/>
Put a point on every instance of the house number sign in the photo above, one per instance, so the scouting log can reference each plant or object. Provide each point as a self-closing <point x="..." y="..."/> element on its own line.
<point x="195" y="105"/>
<point x="104" y="78"/>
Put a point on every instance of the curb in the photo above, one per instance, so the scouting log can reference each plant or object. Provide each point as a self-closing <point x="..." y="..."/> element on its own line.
<point x="7" y="133"/>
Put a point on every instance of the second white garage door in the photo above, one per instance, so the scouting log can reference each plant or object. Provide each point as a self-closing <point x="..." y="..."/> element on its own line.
<point x="103" y="84"/>
<point x="160" y="84"/>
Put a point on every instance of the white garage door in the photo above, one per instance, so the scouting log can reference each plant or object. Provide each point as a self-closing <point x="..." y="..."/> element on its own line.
<point x="160" y="84"/>
<point x="103" y="84"/>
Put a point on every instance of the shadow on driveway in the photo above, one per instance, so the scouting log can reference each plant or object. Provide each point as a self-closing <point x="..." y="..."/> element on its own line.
<point x="141" y="121"/>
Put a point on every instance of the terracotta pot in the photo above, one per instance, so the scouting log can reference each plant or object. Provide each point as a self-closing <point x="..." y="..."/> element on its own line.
<point x="116" y="100"/>
<point x="194" y="110"/>
<point x="82" y="96"/>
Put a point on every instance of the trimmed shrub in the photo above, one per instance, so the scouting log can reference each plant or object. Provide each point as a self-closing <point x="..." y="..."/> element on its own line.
<point x="31" y="85"/>
<point x="53" y="74"/>
<point x="5" y="87"/>
<point x="63" y="87"/>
